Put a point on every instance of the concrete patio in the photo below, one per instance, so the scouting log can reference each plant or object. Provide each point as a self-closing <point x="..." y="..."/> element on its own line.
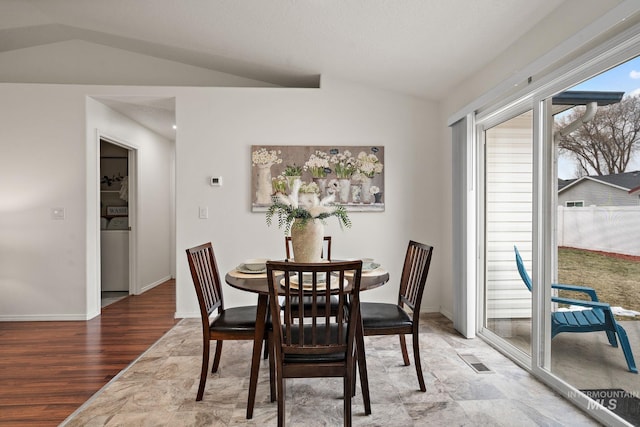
<point x="584" y="360"/>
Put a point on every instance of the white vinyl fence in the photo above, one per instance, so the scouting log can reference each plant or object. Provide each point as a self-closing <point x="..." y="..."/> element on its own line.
<point x="613" y="229"/>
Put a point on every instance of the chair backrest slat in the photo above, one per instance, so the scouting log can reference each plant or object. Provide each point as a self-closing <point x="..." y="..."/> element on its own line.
<point x="318" y="330"/>
<point x="414" y="274"/>
<point x="204" y="272"/>
<point x="521" y="269"/>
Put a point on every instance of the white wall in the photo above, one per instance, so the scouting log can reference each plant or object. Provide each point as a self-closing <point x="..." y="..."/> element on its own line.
<point x="217" y="128"/>
<point x="44" y="261"/>
<point x="48" y="136"/>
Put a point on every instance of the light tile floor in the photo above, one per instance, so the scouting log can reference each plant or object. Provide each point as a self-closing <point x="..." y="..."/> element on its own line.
<point x="160" y="388"/>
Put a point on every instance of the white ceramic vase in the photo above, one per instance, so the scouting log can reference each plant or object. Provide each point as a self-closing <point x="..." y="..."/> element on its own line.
<point x="307" y="240"/>
<point x="291" y="179"/>
<point x="322" y="186"/>
<point x="366" y="195"/>
<point x="356" y="190"/>
<point x="263" y="187"/>
<point x="345" y="189"/>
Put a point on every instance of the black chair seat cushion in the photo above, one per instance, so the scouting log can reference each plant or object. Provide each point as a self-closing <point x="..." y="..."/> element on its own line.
<point x="308" y="300"/>
<point x="376" y="315"/>
<point x="235" y="319"/>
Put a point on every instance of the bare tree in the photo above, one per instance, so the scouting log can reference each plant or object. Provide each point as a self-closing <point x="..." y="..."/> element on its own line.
<point x="606" y="143"/>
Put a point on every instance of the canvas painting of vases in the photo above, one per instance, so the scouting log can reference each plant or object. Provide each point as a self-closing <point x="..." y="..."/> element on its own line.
<point x="351" y="175"/>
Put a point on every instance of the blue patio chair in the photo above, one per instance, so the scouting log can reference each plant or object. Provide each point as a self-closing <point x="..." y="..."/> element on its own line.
<point x="598" y="316"/>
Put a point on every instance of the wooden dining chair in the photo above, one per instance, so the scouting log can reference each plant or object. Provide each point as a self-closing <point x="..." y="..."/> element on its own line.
<point x="326" y="248"/>
<point x="218" y="323"/>
<point x="320" y="345"/>
<point x="326" y="255"/>
<point x="393" y="319"/>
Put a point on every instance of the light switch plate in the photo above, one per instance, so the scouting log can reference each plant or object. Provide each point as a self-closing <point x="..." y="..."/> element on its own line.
<point x="203" y="212"/>
<point x="57" y="213"/>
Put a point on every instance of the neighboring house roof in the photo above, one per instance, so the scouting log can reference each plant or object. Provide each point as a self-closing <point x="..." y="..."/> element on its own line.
<point x="624" y="181"/>
<point x="564" y="182"/>
<point x="635" y="190"/>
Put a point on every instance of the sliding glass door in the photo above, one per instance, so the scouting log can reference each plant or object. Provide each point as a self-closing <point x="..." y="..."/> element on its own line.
<point x="597" y="239"/>
<point x="559" y="184"/>
<point x="507" y="223"/>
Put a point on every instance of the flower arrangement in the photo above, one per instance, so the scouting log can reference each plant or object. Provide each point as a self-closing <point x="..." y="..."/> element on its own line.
<point x="262" y="157"/>
<point x="318" y="164"/>
<point x="308" y="188"/>
<point x="344" y="164"/>
<point x="279" y="184"/>
<point x="293" y="170"/>
<point x="292" y="207"/>
<point x="368" y="164"/>
<point x="374" y="190"/>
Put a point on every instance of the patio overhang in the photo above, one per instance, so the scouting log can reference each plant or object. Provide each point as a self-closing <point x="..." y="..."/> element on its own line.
<point x="572" y="98"/>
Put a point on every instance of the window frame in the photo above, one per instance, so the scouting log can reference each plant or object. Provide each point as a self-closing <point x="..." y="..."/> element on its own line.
<point x="614" y="51"/>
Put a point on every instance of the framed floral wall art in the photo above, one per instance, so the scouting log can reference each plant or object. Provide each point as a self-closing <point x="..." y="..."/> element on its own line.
<point x="352" y="174"/>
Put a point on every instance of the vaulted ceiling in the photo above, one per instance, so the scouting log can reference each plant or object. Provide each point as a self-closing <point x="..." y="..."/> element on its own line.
<point x="421" y="48"/>
<point x="418" y="47"/>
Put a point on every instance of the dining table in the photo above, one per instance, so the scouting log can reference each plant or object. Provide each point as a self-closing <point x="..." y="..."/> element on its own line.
<point x="256" y="282"/>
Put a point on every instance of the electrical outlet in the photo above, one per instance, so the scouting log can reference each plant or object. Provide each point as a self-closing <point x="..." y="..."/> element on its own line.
<point x="216" y="181"/>
<point x="204" y="212"/>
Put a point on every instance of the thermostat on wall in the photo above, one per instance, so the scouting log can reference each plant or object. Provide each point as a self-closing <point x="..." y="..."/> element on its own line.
<point x="216" y="181"/>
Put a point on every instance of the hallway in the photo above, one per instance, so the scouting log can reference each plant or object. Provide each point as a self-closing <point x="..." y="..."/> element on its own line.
<point x="49" y="369"/>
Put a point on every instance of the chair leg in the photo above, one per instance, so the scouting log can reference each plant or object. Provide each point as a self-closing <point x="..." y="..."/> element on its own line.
<point x="353" y="367"/>
<point x="204" y="369"/>
<point x="348" y="379"/>
<point x="266" y="348"/>
<point x="362" y="367"/>
<point x="626" y="348"/>
<point x="417" y="360"/>
<point x="611" y="336"/>
<point x="403" y="347"/>
<point x="216" y="358"/>
<point x="281" y="396"/>
<point x="272" y="367"/>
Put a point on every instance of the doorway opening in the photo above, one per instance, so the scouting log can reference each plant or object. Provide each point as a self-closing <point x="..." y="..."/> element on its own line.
<point x="115" y="228"/>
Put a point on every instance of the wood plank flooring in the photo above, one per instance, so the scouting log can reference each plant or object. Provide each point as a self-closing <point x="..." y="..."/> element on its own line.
<point x="49" y="369"/>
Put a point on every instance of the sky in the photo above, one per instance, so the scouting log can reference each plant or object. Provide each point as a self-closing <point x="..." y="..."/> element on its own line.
<point x="625" y="77"/>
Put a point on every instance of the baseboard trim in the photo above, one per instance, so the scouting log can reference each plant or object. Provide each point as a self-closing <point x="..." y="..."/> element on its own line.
<point x="446" y="313"/>
<point x="145" y="288"/>
<point x="186" y="315"/>
<point x="43" y="317"/>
